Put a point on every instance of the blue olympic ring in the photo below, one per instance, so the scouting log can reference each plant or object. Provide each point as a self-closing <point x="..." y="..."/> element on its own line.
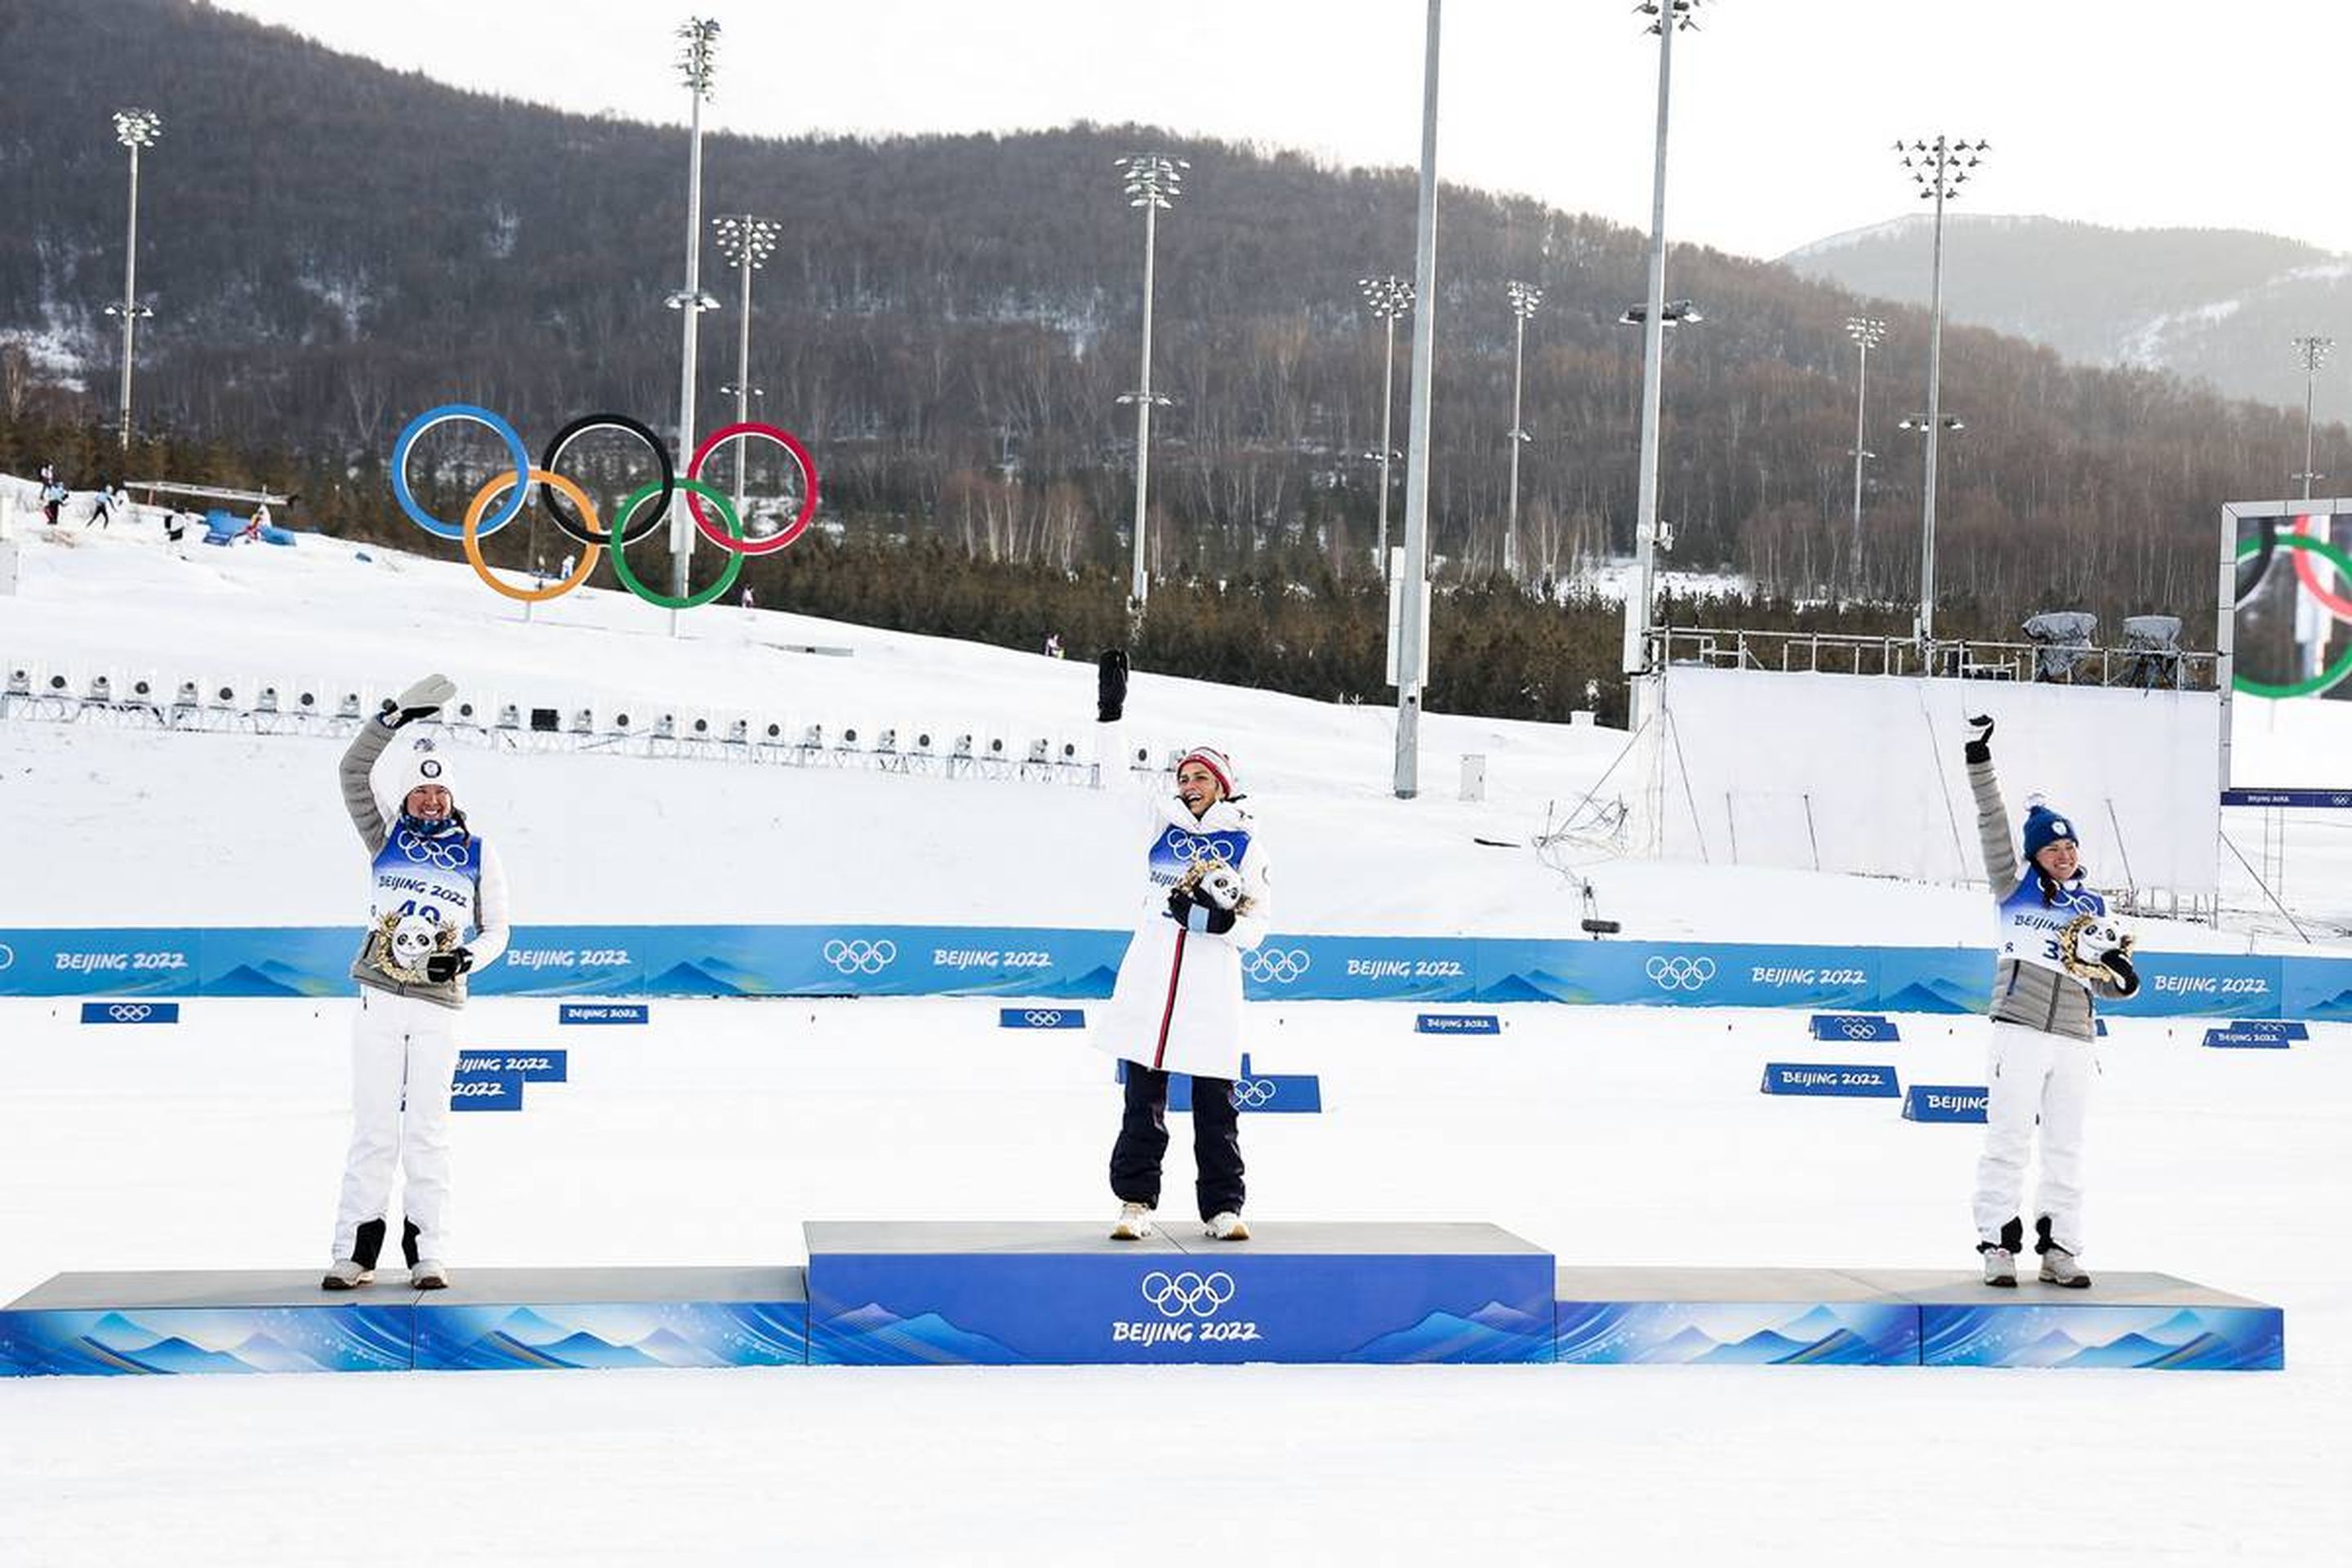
<point x="507" y="510"/>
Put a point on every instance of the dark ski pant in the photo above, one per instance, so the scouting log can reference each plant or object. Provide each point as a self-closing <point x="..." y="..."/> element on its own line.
<point x="1142" y="1143"/>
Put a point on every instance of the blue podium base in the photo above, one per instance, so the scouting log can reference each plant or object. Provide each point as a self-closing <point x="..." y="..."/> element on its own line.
<point x="1908" y="1317"/>
<point x="1025" y="1294"/>
<point x="890" y="1295"/>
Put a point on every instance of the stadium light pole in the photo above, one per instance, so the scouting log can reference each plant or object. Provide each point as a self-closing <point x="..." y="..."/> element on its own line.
<point x="1867" y="332"/>
<point x="1524" y="298"/>
<point x="1939" y="168"/>
<point x="1152" y="183"/>
<point x="747" y="242"/>
<point x="1409" y="648"/>
<point x="137" y="129"/>
<point x="697" y="67"/>
<point x="1669" y="17"/>
<point x="1388" y="297"/>
<point x="2310" y="352"/>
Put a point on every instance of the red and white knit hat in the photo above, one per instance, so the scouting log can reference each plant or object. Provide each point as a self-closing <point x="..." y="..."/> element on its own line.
<point x="1217" y="762"/>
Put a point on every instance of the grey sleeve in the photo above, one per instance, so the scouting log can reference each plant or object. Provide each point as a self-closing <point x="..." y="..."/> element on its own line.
<point x="358" y="783"/>
<point x="1992" y="830"/>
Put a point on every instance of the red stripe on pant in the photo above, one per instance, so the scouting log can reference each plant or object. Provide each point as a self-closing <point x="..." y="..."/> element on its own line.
<point x="1168" y="1014"/>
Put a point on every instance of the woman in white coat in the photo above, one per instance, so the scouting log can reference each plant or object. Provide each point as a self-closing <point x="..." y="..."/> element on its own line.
<point x="1177" y="1007"/>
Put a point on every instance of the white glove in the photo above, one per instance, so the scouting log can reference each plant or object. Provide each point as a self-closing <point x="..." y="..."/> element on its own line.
<point x="421" y="700"/>
<point x="1222" y="885"/>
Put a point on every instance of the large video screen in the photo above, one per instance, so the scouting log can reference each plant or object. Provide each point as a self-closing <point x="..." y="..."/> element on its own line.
<point x="2287" y="635"/>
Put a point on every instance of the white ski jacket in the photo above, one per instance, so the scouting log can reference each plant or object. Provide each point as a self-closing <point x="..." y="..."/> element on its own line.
<point x="1178" y="1003"/>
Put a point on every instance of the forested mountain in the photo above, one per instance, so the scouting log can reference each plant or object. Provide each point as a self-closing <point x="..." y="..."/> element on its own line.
<point x="331" y="247"/>
<point x="2220" y="306"/>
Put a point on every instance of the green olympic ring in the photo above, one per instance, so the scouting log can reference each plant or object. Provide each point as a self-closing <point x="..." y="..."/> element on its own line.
<point x="2326" y="679"/>
<point x="627" y="513"/>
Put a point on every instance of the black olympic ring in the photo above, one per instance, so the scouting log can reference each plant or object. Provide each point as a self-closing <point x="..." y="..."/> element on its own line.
<point x="654" y="516"/>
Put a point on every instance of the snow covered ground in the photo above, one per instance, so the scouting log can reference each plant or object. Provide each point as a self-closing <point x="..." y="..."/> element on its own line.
<point x="1632" y="1135"/>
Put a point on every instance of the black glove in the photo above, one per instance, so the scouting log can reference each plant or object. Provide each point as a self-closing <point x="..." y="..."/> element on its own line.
<point x="1191" y="912"/>
<point x="1979" y="746"/>
<point x="1111" y="686"/>
<point x="2119" y="965"/>
<point x="443" y="967"/>
<point x="421" y="700"/>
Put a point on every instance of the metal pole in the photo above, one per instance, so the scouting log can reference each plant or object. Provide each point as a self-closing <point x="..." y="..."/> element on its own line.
<point x="2310" y="377"/>
<point x="130" y="301"/>
<point x="1388" y="405"/>
<point x="1139" y="583"/>
<point x="1412" y="634"/>
<point x="1511" y="522"/>
<point x="1860" y="397"/>
<point x="743" y="369"/>
<point x="1635" y="652"/>
<point x="681" y="524"/>
<point x="1935" y="420"/>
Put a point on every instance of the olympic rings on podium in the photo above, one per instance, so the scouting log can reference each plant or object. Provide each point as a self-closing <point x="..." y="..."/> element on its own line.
<point x="471" y="536"/>
<point x="726" y="579"/>
<point x="783" y="536"/>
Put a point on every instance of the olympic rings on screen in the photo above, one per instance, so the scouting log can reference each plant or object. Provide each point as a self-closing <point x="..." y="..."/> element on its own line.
<point x="591" y="535"/>
<point x="472" y="539"/>
<point x="2334" y="674"/>
<point x="443" y="415"/>
<point x="2307" y="572"/>
<point x="782" y="536"/>
<point x="724" y="581"/>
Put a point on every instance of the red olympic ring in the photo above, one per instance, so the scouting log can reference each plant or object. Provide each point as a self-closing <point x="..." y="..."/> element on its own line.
<point x="2307" y="572"/>
<point x="782" y="537"/>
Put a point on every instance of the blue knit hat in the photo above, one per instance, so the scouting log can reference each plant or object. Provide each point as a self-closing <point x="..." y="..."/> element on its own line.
<point x="2044" y="827"/>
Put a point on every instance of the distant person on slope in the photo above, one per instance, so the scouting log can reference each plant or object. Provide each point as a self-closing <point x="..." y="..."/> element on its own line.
<point x="1178" y="1004"/>
<point x="434" y="881"/>
<point x="53" y="497"/>
<point x="102" y="508"/>
<point x="2058" y="951"/>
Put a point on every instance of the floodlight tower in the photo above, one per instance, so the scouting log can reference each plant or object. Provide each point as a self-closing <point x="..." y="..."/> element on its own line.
<point x="697" y="67"/>
<point x="1387" y="297"/>
<point x="137" y="129"/>
<point x="1668" y="17"/>
<point x="747" y="242"/>
<point x="1867" y="332"/>
<point x="1939" y="168"/>
<point x="1152" y="183"/>
<point x="2311" y="354"/>
<point x="1524" y="298"/>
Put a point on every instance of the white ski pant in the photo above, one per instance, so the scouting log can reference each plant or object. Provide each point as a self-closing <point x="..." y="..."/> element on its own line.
<point x="403" y="1053"/>
<point x="2035" y="1076"/>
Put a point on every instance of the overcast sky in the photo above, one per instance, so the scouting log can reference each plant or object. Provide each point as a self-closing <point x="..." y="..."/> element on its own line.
<point x="2137" y="113"/>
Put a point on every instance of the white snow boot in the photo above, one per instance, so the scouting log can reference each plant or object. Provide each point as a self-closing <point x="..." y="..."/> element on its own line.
<point x="1999" y="1266"/>
<point x="1226" y="1226"/>
<point x="2058" y="1265"/>
<point x="429" y="1276"/>
<point x="346" y="1275"/>
<point x="1134" y="1222"/>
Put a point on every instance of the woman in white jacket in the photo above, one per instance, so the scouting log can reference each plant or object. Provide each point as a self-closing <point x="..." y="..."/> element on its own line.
<point x="1177" y="1007"/>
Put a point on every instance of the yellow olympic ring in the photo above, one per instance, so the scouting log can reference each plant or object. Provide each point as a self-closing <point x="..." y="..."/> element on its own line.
<point x="471" y="534"/>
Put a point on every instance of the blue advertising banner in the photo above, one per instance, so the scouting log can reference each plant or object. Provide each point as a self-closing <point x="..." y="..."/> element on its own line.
<point x="1845" y="1081"/>
<point x="1458" y="1024"/>
<point x="2245" y="1040"/>
<point x="1945" y="1102"/>
<point x="1061" y="964"/>
<point x="1853" y="1027"/>
<point x="572" y="1012"/>
<point x="1041" y="1017"/>
<point x="131" y="1012"/>
<point x="477" y="1088"/>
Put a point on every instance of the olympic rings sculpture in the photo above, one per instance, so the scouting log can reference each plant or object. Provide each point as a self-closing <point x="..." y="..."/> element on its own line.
<point x="2308" y="574"/>
<point x="1179" y="1295"/>
<point x="578" y="521"/>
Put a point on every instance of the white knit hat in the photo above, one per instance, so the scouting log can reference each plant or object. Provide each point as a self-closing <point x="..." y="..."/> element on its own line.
<point x="424" y="764"/>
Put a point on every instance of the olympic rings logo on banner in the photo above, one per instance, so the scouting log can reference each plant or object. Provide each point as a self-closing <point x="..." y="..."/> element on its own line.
<point x="1179" y="1295"/>
<point x="450" y="854"/>
<point x="1857" y="1029"/>
<point x="130" y="1012"/>
<point x="1674" y="972"/>
<point x="861" y="957"/>
<point x="1275" y="965"/>
<point x="1037" y="1018"/>
<point x="2336" y="604"/>
<point x="1253" y="1092"/>
<point x="633" y="521"/>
